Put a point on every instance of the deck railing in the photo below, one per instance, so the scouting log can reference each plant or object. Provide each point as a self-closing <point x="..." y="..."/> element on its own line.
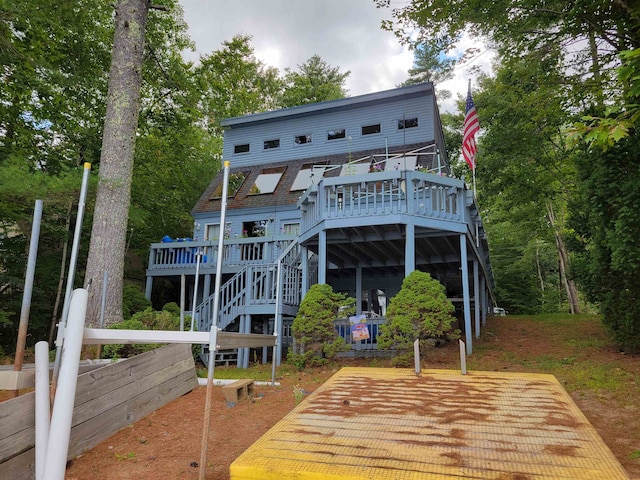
<point x="236" y="252"/>
<point x="383" y="193"/>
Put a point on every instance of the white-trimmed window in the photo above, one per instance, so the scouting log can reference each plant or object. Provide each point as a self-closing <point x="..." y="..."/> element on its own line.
<point x="291" y="228"/>
<point x="407" y="123"/>
<point x="302" y="139"/>
<point x="336" y="134"/>
<point x="212" y="231"/>
<point x="371" y="129"/>
<point x="269" y="144"/>
<point x="241" y="148"/>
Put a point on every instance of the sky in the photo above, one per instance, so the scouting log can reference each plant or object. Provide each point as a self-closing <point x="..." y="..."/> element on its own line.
<point x="345" y="33"/>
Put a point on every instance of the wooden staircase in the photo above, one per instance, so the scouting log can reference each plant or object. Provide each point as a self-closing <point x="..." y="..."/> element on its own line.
<point x="253" y="291"/>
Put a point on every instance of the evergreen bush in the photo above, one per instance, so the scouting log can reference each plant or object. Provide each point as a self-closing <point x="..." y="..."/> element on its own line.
<point x="421" y="310"/>
<point x="316" y="340"/>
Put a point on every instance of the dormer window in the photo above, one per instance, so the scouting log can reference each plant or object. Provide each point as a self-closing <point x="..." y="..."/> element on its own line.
<point x="407" y="123"/>
<point x="267" y="181"/>
<point x="336" y="134"/>
<point x="275" y="143"/>
<point x="241" y="148"/>
<point x="371" y="129"/>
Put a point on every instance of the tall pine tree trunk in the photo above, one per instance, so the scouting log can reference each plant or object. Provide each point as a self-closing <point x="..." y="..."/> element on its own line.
<point x="570" y="286"/>
<point x="111" y="213"/>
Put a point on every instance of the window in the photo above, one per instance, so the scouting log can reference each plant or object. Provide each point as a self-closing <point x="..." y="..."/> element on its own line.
<point x="304" y="178"/>
<point x="291" y="228"/>
<point x="235" y="182"/>
<point x="275" y="143"/>
<point x="302" y="139"/>
<point x="371" y="129"/>
<point x="407" y="123"/>
<point x="243" y="148"/>
<point x="256" y="228"/>
<point x="212" y="231"/>
<point x="336" y="134"/>
<point x="267" y="181"/>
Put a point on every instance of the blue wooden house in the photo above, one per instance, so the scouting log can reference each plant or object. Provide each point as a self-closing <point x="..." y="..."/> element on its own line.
<point x="356" y="193"/>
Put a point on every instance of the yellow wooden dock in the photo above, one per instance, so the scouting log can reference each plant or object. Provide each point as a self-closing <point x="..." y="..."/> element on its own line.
<point x="382" y="423"/>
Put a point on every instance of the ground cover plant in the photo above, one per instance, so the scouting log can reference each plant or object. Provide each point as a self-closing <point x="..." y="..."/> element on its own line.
<point x="604" y="383"/>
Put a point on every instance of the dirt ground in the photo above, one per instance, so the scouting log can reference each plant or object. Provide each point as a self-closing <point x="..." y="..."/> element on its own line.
<point x="604" y="382"/>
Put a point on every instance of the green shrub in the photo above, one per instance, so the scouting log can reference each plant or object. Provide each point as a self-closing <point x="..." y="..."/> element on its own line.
<point x="172" y="307"/>
<point x="421" y="310"/>
<point x="316" y="340"/>
<point x="133" y="301"/>
<point x="146" y="320"/>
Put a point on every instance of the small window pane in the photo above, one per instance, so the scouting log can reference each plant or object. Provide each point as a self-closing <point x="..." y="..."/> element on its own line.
<point x="272" y="144"/>
<point x="371" y="129"/>
<point x="302" y="139"/>
<point x="235" y="182"/>
<point x="267" y="181"/>
<point x="407" y="123"/>
<point x="336" y="134"/>
<point x="244" y="148"/>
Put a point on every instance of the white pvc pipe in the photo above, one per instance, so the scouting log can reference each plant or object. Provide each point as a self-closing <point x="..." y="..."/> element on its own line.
<point x="42" y="406"/>
<point x="58" y="443"/>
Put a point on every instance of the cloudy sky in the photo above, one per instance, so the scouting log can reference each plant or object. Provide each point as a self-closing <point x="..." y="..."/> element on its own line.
<point x="345" y="33"/>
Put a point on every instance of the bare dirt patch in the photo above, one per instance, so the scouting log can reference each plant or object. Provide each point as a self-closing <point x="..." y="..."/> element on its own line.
<point x="166" y="444"/>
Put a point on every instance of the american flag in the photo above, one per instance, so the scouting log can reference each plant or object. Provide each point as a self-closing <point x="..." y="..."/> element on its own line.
<point x="471" y="127"/>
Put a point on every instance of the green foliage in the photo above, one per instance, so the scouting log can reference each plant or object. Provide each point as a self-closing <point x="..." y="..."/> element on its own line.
<point x="420" y="310"/>
<point x="315" y="338"/>
<point x="172" y="307"/>
<point x="133" y="301"/>
<point x="316" y="81"/>
<point x="607" y="229"/>
<point x="147" y="319"/>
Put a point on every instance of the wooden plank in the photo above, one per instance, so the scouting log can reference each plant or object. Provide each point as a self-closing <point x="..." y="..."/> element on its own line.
<point x="10" y="380"/>
<point x="238" y="340"/>
<point x="20" y="467"/>
<point x="102" y="403"/>
<point x="120" y="374"/>
<point x="17" y="425"/>
<point x="88" y="434"/>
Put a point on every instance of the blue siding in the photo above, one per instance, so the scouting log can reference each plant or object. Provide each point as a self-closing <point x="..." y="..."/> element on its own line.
<point x="317" y="125"/>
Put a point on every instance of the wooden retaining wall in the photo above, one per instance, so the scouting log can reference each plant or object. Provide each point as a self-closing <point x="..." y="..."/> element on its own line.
<point x="107" y="399"/>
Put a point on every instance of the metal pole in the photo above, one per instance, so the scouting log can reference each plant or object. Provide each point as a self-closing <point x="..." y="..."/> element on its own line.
<point x="182" y="287"/>
<point x="28" y="289"/>
<point x="72" y="272"/>
<point x="195" y="287"/>
<point x="214" y="327"/>
<point x="276" y="323"/>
